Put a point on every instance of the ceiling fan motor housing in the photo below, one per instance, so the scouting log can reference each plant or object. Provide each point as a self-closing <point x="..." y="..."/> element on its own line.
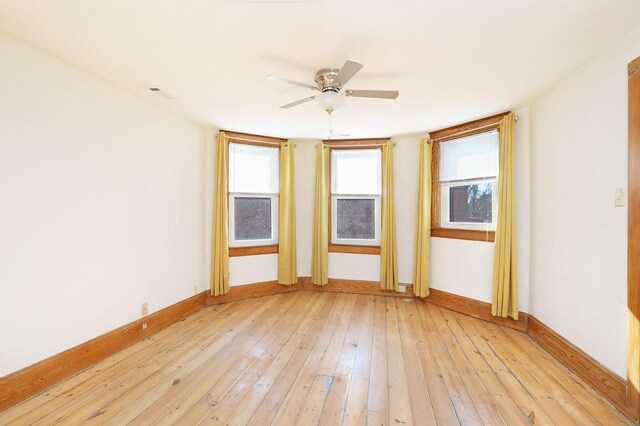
<point x="327" y="80"/>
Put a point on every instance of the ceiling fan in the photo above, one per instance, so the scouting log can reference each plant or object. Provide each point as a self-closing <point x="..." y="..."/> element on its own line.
<point x="330" y="83"/>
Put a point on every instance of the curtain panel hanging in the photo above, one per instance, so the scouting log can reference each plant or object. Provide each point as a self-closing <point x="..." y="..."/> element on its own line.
<point x="320" y="255"/>
<point x="388" y="243"/>
<point x="287" y="252"/>
<point x="423" y="222"/>
<point x="505" y="262"/>
<point x="220" y="231"/>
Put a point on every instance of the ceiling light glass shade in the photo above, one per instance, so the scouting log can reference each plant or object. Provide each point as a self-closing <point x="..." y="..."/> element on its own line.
<point x="330" y="101"/>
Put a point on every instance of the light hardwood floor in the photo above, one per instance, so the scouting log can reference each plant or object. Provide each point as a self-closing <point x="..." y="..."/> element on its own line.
<point x="324" y="358"/>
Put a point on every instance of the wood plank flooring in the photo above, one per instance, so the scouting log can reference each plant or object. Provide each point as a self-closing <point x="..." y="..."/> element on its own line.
<point x="324" y="358"/>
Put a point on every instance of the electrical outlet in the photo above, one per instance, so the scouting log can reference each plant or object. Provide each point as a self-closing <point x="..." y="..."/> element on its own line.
<point x="144" y="326"/>
<point x="402" y="288"/>
<point x="145" y="309"/>
<point x="195" y="289"/>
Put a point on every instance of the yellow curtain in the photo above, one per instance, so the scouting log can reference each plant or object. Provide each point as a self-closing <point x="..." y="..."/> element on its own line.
<point x="505" y="262"/>
<point x="423" y="225"/>
<point x="388" y="244"/>
<point x="287" y="253"/>
<point x="320" y="259"/>
<point x="220" y="236"/>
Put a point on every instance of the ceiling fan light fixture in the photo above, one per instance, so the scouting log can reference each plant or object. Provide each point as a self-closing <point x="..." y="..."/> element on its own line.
<point x="330" y="100"/>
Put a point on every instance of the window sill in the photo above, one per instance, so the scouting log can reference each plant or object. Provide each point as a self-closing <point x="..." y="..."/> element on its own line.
<point x="252" y="251"/>
<point x="464" y="234"/>
<point x="353" y="249"/>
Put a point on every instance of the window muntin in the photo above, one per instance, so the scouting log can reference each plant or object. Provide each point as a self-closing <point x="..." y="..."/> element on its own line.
<point x="356" y="187"/>
<point x="468" y="172"/>
<point x="253" y="195"/>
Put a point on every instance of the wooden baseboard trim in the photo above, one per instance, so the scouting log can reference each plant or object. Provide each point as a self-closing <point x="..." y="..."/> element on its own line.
<point x="251" y="291"/>
<point x="354" y="286"/>
<point x="22" y="384"/>
<point x="474" y="308"/>
<point x="607" y="383"/>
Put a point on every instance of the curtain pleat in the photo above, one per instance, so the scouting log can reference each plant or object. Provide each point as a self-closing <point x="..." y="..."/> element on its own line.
<point x="287" y="253"/>
<point x="505" y="262"/>
<point x="388" y="244"/>
<point x="220" y="231"/>
<point x="423" y="223"/>
<point x="320" y="255"/>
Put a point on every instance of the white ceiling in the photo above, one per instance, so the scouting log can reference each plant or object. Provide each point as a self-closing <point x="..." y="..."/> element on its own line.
<point x="451" y="60"/>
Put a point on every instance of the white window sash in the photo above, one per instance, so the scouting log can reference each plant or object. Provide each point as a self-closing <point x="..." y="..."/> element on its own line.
<point x="444" y="205"/>
<point x="334" y="220"/>
<point x="274" y="220"/>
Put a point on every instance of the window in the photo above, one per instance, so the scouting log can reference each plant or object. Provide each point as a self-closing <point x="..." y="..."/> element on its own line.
<point x="253" y="195"/>
<point x="356" y="186"/>
<point x="468" y="174"/>
<point x="464" y="173"/>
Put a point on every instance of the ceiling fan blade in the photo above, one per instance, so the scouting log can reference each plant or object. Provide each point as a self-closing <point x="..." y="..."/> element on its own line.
<point x="381" y="94"/>
<point x="301" y="101"/>
<point x="286" y="80"/>
<point x="348" y="70"/>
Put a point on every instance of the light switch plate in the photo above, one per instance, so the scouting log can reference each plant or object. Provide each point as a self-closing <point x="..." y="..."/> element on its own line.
<point x="619" y="197"/>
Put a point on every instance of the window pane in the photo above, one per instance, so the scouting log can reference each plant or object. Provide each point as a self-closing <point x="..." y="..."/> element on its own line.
<point x="356" y="171"/>
<point x="470" y="203"/>
<point x="253" y="169"/>
<point x="356" y="219"/>
<point x="252" y="218"/>
<point x="471" y="157"/>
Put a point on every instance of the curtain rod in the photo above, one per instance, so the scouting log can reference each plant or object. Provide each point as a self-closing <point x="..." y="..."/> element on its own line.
<point x="363" y="146"/>
<point x="258" y="141"/>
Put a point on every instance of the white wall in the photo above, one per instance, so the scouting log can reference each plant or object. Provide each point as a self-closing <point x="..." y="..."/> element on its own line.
<point x="101" y="206"/>
<point x="579" y="252"/>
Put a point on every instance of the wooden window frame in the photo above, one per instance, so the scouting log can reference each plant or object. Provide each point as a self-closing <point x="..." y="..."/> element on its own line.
<point x="350" y="144"/>
<point x="470" y="128"/>
<point x="257" y="140"/>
